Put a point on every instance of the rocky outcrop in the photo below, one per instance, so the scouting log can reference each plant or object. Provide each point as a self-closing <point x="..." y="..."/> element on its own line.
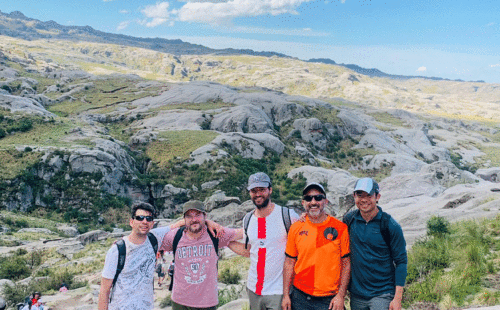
<point x="245" y="118"/>
<point x="23" y="104"/>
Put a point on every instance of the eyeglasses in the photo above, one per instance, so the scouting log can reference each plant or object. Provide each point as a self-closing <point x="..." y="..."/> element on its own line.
<point x="141" y="218"/>
<point x="316" y="197"/>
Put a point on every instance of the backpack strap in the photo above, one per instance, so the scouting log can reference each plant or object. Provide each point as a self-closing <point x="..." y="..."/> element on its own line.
<point x="246" y="222"/>
<point x="349" y="217"/>
<point x="154" y="242"/>
<point x="285" y="214"/>
<point x="384" y="230"/>
<point x="177" y="238"/>
<point x="215" y="242"/>
<point x="122" y="252"/>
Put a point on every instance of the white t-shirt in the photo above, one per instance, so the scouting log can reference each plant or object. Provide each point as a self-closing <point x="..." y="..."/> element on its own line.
<point x="268" y="237"/>
<point x="134" y="287"/>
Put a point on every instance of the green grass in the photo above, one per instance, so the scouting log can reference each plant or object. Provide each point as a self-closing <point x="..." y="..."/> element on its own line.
<point x="173" y="144"/>
<point x="14" y="162"/>
<point x="103" y="94"/>
<point x="196" y="106"/>
<point x="386" y="118"/>
<point x="452" y="269"/>
<point x="45" y="134"/>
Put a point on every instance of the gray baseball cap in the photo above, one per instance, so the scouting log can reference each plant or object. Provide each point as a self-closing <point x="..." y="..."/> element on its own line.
<point x="259" y="179"/>
<point x="314" y="185"/>
<point x="193" y="205"/>
<point x="367" y="185"/>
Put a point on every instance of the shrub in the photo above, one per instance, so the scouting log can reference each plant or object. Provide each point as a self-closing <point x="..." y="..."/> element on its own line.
<point x="14" y="268"/>
<point x="166" y="302"/>
<point x="438" y="226"/>
<point x="229" y="276"/>
<point x="227" y="295"/>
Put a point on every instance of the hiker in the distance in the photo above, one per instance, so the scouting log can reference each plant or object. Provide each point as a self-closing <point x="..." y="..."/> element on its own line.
<point x="132" y="288"/>
<point x="160" y="267"/>
<point x="378" y="252"/>
<point x="266" y="229"/>
<point x="196" y="257"/>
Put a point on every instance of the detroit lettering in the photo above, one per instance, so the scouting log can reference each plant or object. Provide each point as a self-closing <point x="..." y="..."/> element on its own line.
<point x="194" y="251"/>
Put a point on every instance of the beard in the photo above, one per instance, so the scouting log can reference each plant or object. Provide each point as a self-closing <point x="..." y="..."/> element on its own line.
<point x="263" y="204"/>
<point x="195" y="230"/>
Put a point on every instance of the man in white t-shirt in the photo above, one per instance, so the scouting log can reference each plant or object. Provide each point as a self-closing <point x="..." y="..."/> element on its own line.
<point x="267" y="237"/>
<point x="133" y="289"/>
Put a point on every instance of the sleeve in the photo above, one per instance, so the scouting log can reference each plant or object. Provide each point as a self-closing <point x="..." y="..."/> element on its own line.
<point x="168" y="240"/>
<point x="345" y="249"/>
<point x="291" y="247"/>
<point x="398" y="250"/>
<point x="160" y="233"/>
<point x="111" y="263"/>
<point x="294" y="217"/>
<point x="228" y="236"/>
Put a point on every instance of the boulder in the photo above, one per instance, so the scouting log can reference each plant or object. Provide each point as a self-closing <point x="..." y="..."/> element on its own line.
<point x="23" y="105"/>
<point x="36" y="230"/>
<point x="236" y="305"/>
<point x="399" y="163"/>
<point x="245" y="118"/>
<point x="311" y="130"/>
<point x="5" y="282"/>
<point x="232" y="214"/>
<point x="69" y="231"/>
<point x="219" y="200"/>
<point x="68" y="249"/>
<point x="354" y="122"/>
<point x="92" y="236"/>
<point x="489" y="174"/>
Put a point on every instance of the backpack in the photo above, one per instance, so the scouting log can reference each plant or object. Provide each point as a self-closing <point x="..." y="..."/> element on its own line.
<point x="122" y="253"/>
<point x="384" y="225"/>
<point x="285" y="214"/>
<point x="177" y="238"/>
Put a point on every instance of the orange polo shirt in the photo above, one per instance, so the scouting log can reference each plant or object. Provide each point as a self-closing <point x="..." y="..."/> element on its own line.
<point x="318" y="249"/>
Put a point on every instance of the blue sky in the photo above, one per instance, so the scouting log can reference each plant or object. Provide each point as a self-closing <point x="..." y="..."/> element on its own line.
<point x="450" y="39"/>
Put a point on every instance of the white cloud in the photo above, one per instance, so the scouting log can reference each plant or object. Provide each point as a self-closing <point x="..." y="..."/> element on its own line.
<point x="222" y="12"/>
<point x="495" y="65"/>
<point x="422" y="69"/>
<point x="305" y="32"/>
<point x="157" y="14"/>
<point x="124" y="11"/>
<point x="122" y="25"/>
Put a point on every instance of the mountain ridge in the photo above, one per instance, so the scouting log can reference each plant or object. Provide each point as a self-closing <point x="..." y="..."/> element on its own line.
<point x="176" y="46"/>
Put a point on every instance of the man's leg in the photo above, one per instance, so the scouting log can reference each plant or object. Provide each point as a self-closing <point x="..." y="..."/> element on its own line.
<point x="359" y="303"/>
<point x="272" y="302"/>
<point x="256" y="301"/>
<point x="381" y="302"/>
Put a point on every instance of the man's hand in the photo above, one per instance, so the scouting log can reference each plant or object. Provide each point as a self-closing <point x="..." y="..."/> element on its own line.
<point x="395" y="304"/>
<point x="337" y="303"/>
<point x="286" y="303"/>
<point x="302" y="217"/>
<point x="216" y="229"/>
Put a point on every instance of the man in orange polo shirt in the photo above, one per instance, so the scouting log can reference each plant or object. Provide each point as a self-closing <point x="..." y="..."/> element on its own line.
<point x="317" y="257"/>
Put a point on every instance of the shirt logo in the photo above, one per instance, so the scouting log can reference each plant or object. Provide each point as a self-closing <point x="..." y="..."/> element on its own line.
<point x="304" y="232"/>
<point x="330" y="233"/>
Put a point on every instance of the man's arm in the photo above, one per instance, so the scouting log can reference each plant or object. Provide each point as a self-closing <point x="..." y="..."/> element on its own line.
<point x="239" y="248"/>
<point x="396" y="302"/>
<point x="337" y="302"/>
<point x="288" y="274"/>
<point x="178" y="224"/>
<point x="104" y="294"/>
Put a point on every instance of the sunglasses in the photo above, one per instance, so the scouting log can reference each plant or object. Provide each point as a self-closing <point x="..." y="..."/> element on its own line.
<point x="316" y="197"/>
<point x="141" y="218"/>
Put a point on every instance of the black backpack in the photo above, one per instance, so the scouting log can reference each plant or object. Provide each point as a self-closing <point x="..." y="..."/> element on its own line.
<point x="285" y="214"/>
<point x="384" y="225"/>
<point x="122" y="253"/>
<point x="177" y="238"/>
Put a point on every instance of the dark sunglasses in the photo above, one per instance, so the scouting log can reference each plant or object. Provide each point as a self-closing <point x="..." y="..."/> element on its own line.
<point x="141" y="218"/>
<point x="316" y="197"/>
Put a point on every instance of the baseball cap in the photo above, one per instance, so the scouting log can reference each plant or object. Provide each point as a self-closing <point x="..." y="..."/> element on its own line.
<point x="259" y="179"/>
<point x="193" y="205"/>
<point x="367" y="185"/>
<point x="313" y="185"/>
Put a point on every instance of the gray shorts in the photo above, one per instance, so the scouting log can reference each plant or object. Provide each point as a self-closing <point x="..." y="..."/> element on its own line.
<point x="381" y="302"/>
<point x="264" y="302"/>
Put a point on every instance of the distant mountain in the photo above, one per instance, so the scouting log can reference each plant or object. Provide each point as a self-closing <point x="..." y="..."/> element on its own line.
<point x="17" y="25"/>
<point x="376" y="72"/>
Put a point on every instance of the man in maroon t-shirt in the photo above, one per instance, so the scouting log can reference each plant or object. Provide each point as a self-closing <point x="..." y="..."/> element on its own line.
<point x="195" y="275"/>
